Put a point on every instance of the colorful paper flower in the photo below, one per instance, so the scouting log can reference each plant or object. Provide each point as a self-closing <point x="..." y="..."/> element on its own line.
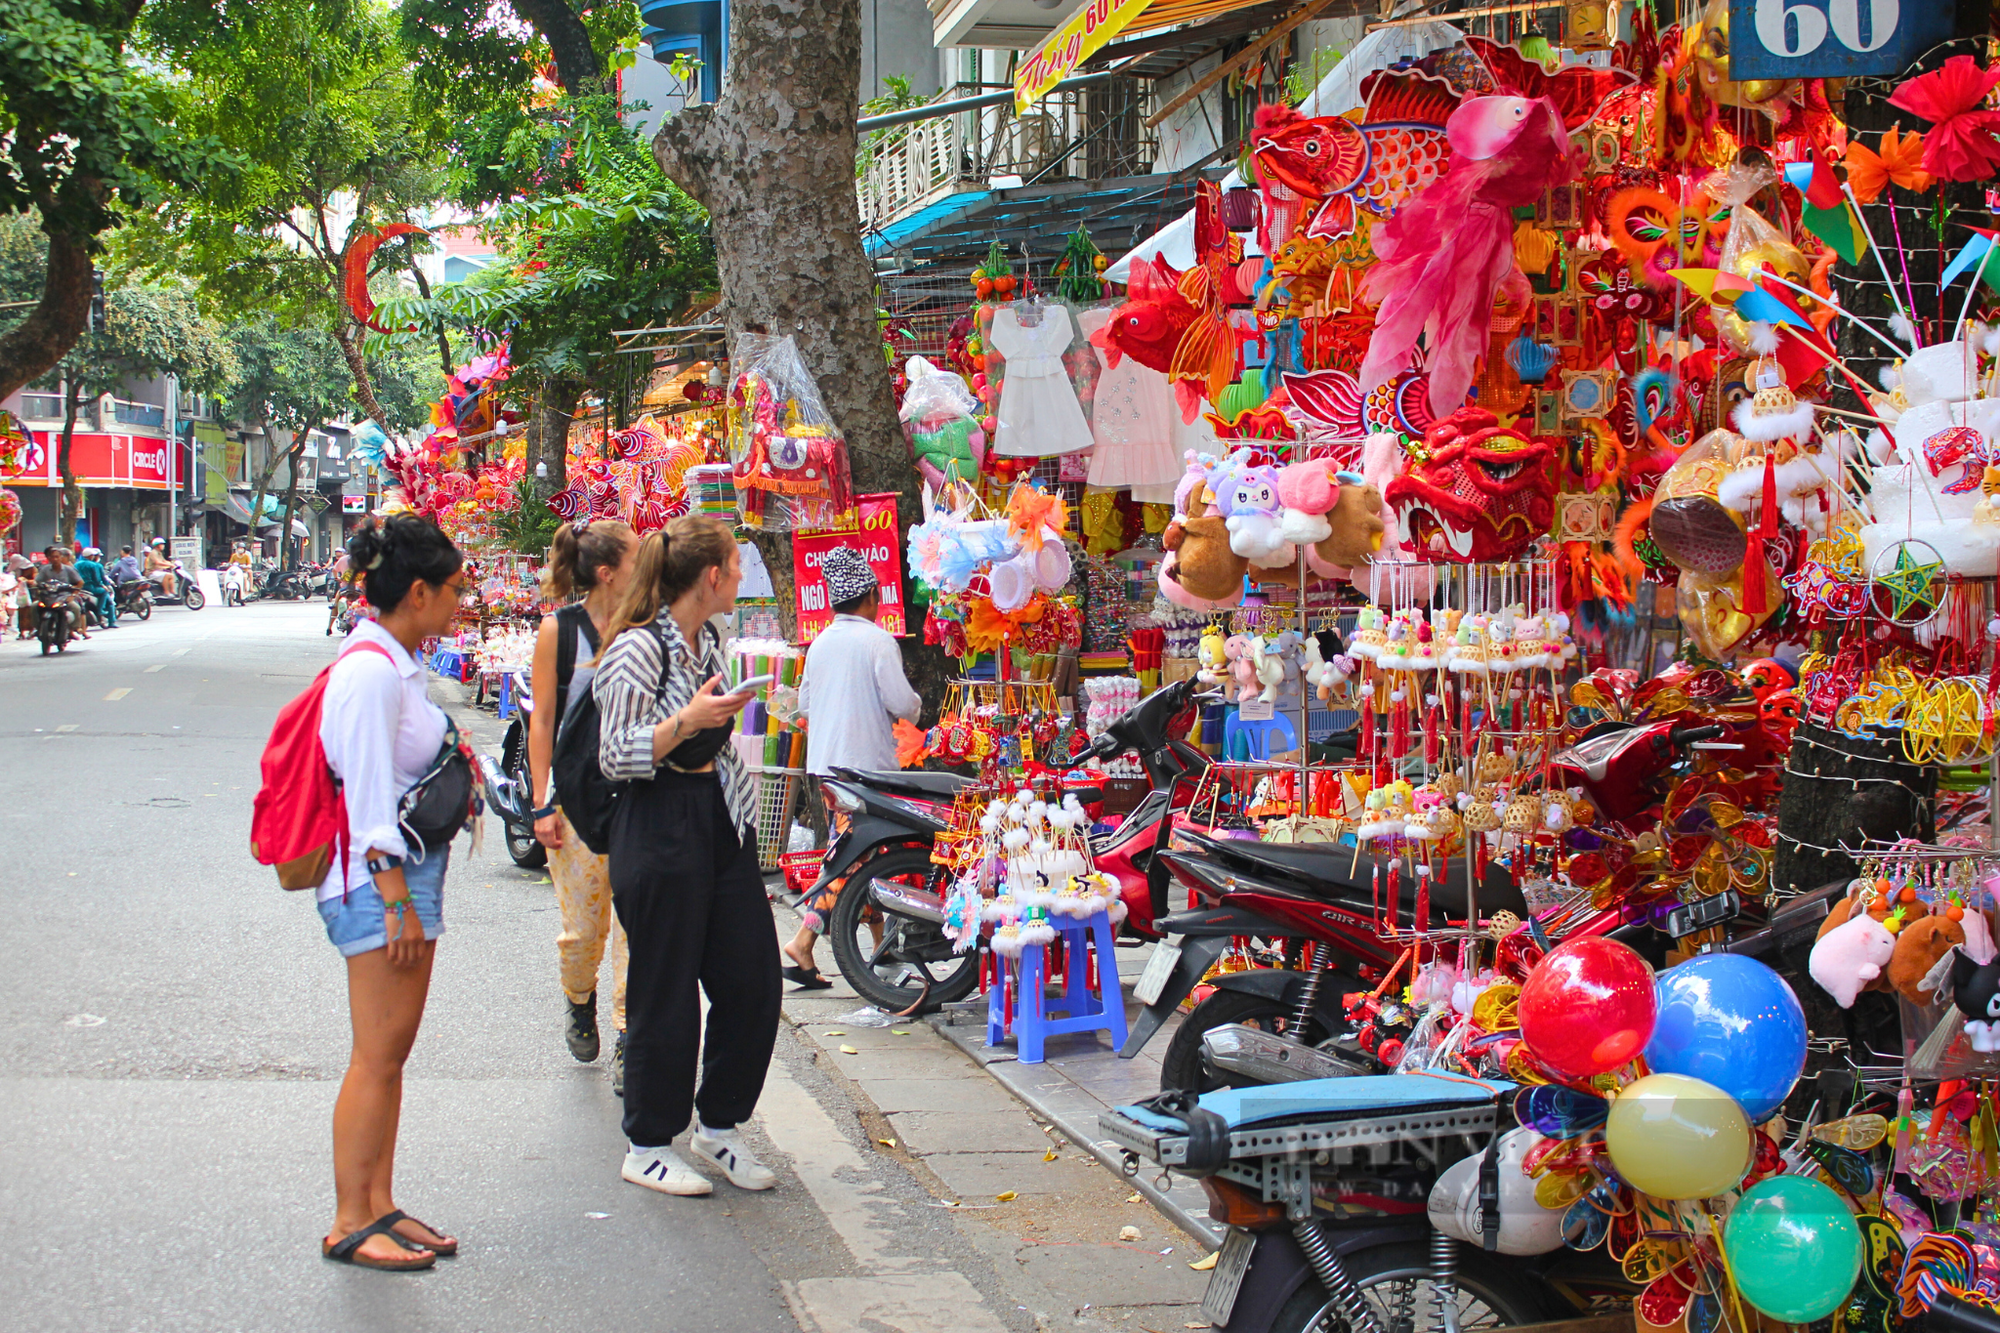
<point x="1963" y="143"/>
<point x="1900" y="162"/>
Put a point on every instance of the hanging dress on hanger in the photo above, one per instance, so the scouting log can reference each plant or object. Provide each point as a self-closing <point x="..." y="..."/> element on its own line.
<point x="1133" y="419"/>
<point x="1039" y="414"/>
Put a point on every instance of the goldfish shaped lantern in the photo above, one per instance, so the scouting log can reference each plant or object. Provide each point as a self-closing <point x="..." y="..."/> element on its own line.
<point x="1445" y="254"/>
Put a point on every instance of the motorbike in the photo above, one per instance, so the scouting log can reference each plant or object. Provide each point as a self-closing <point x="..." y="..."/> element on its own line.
<point x="135" y="598"/>
<point x="1155" y="729"/>
<point x="1316" y="904"/>
<point x="510" y="786"/>
<point x="235" y="584"/>
<point x="187" y="591"/>
<point x="887" y="923"/>
<point x="1330" y="1213"/>
<point x="284" y="585"/>
<point x="58" y="615"/>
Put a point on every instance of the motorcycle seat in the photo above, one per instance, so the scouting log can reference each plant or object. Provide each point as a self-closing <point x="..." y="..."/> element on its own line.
<point x="1333" y="872"/>
<point x="914" y="781"/>
<point x="1364" y="1095"/>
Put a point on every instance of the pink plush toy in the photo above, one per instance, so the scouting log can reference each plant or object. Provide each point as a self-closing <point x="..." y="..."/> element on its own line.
<point x="1308" y="491"/>
<point x="1242" y="665"/>
<point x="1850" y="956"/>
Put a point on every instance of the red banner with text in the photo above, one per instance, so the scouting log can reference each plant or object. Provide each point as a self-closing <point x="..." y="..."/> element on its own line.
<point x="874" y="536"/>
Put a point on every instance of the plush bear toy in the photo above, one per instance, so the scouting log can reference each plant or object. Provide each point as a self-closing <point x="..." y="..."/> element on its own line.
<point x="1242" y="660"/>
<point x="1919" y="946"/>
<point x="1849" y="956"/>
<point x="1355" y="525"/>
<point x="1201" y="571"/>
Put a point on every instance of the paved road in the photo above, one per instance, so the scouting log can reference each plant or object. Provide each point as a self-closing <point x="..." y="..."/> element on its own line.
<point x="172" y="1028"/>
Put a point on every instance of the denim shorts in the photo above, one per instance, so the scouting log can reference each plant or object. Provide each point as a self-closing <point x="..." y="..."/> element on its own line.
<point x="354" y="923"/>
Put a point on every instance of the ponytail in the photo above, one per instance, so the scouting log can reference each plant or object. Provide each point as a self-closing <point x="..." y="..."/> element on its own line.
<point x="668" y="564"/>
<point x="578" y="552"/>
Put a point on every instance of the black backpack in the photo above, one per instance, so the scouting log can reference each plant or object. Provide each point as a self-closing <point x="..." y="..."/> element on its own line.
<point x="588" y="798"/>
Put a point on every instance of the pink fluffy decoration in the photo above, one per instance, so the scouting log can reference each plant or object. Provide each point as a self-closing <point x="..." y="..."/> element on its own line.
<point x="1447" y="251"/>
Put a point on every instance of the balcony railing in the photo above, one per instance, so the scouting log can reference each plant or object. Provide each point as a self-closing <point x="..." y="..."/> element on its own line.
<point x="138" y="414"/>
<point x="1083" y="134"/>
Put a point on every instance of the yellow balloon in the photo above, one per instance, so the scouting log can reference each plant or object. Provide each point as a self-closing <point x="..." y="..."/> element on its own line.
<point x="1676" y="1137"/>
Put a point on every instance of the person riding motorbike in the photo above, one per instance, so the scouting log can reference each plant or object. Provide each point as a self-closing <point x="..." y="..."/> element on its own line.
<point x="59" y="571"/>
<point x="158" y="567"/>
<point x="91" y="569"/>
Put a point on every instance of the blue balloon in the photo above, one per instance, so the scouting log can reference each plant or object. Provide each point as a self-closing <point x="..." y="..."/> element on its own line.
<point x="1732" y="1022"/>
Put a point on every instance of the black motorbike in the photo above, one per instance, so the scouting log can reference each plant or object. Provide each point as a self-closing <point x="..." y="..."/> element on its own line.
<point x="887" y="925"/>
<point x="135" y="598"/>
<point x="284" y="585"/>
<point x="510" y="786"/>
<point x="58" y="615"/>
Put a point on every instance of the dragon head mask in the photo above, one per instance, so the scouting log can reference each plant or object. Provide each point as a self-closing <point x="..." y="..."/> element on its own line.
<point x="1474" y="491"/>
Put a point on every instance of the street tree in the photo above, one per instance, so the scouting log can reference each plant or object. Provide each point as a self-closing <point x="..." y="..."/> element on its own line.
<point x="145" y="331"/>
<point x="293" y="380"/>
<point x="314" y="96"/>
<point x="84" y="132"/>
<point x="605" y="243"/>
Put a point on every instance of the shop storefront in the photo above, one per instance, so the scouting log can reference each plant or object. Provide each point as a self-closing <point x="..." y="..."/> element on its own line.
<point x="124" y="480"/>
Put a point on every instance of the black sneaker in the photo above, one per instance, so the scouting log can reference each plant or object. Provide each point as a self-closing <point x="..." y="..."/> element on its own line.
<point x="618" y="1066"/>
<point x="581" y="1031"/>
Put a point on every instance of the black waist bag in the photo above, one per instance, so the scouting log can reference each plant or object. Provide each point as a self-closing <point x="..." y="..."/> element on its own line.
<point x="445" y="799"/>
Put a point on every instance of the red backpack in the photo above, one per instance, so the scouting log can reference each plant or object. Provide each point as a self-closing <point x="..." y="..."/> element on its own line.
<point x="299" y="821"/>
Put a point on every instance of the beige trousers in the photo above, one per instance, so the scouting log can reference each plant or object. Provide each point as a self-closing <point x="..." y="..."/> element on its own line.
<point x="583" y="892"/>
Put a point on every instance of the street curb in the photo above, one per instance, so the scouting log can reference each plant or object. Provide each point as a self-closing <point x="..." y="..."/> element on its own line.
<point x="971" y="1038"/>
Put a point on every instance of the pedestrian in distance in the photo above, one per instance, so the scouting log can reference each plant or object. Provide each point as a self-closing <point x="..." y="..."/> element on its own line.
<point x="384" y="906"/>
<point x="851" y="694"/>
<point x="594" y="558"/>
<point x="91" y="569"/>
<point x="684" y="873"/>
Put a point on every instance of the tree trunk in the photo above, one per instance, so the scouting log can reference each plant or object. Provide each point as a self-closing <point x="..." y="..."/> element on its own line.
<point x="72" y="494"/>
<point x="444" y="343"/>
<point x="773" y="162"/>
<point x="32" y="349"/>
<point x="548" y="433"/>
<point x="263" y="487"/>
<point x="568" y="39"/>
<point x="298" y="454"/>
<point x="364" y="383"/>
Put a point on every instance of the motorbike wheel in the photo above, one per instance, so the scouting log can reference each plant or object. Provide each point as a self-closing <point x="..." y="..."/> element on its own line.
<point x="879" y="972"/>
<point x="193" y="598"/>
<point x="522" y="847"/>
<point x="1181" y="1067"/>
<point x="142" y="607"/>
<point x="1395" y="1279"/>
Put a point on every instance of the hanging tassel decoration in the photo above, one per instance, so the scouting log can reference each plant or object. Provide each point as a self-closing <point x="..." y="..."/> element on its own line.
<point x="1755" y="601"/>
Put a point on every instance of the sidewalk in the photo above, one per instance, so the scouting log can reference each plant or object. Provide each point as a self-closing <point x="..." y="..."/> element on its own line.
<point x="1017" y="1154"/>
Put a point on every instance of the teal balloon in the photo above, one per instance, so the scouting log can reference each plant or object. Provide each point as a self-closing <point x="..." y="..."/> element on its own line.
<point x="1794" y="1249"/>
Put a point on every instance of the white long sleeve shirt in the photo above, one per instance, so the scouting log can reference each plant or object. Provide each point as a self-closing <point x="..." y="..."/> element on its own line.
<point x="381" y="732"/>
<point x="852" y="693"/>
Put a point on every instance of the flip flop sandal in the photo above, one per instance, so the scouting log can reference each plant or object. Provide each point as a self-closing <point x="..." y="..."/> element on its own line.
<point x="805" y="978"/>
<point x="347" y="1250"/>
<point x="444" y="1249"/>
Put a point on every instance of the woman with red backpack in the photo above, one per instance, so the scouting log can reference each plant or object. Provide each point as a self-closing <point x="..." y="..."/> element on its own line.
<point x="383" y="902"/>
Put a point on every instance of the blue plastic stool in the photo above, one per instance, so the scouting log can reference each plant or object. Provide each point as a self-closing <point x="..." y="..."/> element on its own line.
<point x="1253" y="740"/>
<point x="1088" y="1010"/>
<point x="505" y="705"/>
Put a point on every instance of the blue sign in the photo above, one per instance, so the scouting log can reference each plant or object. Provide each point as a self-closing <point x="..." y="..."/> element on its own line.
<point x="1805" y="39"/>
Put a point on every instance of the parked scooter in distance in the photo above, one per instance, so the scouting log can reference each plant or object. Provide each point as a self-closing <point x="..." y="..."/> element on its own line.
<point x="510" y="786"/>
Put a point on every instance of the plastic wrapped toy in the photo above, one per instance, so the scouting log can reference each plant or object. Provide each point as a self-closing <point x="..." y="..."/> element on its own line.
<point x="790" y="462"/>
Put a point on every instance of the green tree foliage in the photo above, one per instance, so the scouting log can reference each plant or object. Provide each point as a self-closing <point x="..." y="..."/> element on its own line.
<point x="314" y="95"/>
<point x="477" y="61"/>
<point x="83" y="130"/>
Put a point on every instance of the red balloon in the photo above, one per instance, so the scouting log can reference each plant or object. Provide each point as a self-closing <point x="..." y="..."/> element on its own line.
<point x="1588" y="1007"/>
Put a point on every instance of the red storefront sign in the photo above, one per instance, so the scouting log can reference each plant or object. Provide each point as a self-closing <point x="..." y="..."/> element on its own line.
<point x="874" y="535"/>
<point x="138" y="462"/>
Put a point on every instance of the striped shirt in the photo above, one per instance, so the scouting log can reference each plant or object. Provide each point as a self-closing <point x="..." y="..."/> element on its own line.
<point x="631" y="702"/>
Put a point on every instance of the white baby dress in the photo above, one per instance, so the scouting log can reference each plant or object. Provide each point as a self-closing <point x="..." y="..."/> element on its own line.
<point x="1133" y="417"/>
<point x="1039" y="414"/>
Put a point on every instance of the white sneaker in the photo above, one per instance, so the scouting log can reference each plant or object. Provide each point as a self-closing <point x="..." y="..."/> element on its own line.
<point x="725" y="1147"/>
<point x="662" y="1169"/>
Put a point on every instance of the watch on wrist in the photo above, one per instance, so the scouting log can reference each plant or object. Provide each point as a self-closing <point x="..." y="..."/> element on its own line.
<point x="382" y="865"/>
<point x="543" y="812"/>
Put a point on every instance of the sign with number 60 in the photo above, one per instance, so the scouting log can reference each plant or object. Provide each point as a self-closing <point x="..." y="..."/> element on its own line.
<point x="1804" y="39"/>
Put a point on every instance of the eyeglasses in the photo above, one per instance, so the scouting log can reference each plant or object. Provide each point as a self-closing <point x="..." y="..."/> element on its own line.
<point x="455" y="589"/>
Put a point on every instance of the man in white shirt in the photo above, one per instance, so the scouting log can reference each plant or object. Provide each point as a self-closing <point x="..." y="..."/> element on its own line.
<point x="853" y="691"/>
